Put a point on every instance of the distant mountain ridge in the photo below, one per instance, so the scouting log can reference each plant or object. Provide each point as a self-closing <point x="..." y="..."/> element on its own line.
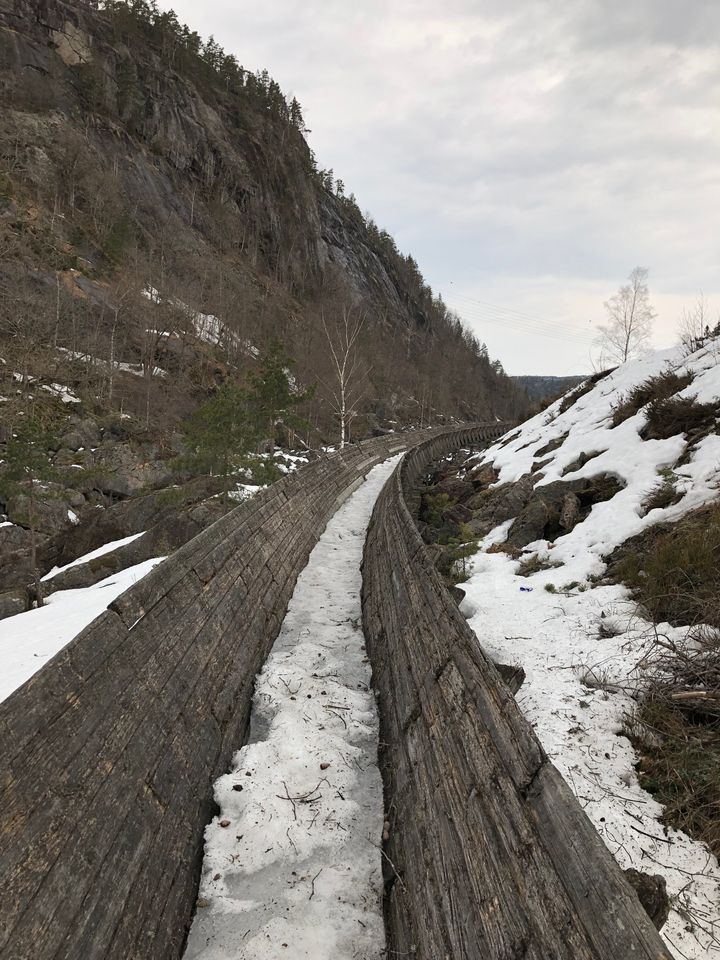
<point x="541" y="388"/>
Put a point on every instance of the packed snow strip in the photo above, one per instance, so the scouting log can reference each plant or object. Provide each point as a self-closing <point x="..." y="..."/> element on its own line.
<point x="585" y="648"/>
<point x="206" y="326"/>
<point x="29" y="640"/>
<point x="137" y="369"/>
<point x="292" y="863"/>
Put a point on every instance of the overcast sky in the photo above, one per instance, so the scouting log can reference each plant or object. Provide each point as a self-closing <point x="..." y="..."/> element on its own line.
<point x="528" y="153"/>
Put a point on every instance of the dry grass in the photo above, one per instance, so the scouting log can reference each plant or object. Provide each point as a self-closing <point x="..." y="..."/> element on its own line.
<point x="657" y="388"/>
<point x="582" y="389"/>
<point x="677" y="733"/>
<point x="533" y="563"/>
<point x="667" y="417"/>
<point x="674" y="572"/>
<point x="664" y="495"/>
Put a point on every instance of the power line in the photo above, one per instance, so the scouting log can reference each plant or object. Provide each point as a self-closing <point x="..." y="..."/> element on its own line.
<point x="521" y="325"/>
<point x="498" y="308"/>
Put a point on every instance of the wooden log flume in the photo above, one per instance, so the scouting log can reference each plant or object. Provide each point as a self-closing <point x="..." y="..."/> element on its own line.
<point x="110" y="751"/>
<point x="489" y="856"/>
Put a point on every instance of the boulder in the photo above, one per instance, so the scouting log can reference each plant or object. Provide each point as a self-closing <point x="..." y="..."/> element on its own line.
<point x="72" y="441"/>
<point x="64" y="458"/>
<point x="13" y="602"/>
<point x="137" y="514"/>
<point x="123" y="471"/>
<point x="457" y="514"/>
<point x="13" y="538"/>
<point x="83" y="434"/>
<point x="482" y="476"/>
<point x="75" y="498"/>
<point x="535" y="522"/>
<point x="456" y="489"/>
<point x="551" y="446"/>
<point x="651" y="889"/>
<point x="570" y="512"/>
<point x="51" y="514"/>
<point x="543" y="512"/>
<point x="493" y="507"/>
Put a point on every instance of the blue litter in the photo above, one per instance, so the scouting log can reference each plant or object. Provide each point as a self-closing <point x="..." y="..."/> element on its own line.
<point x="526" y="589"/>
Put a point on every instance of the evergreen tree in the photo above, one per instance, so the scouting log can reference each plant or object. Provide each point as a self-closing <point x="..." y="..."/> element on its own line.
<point x="222" y="432"/>
<point x="272" y="393"/>
<point x="296" y="117"/>
<point x="27" y="466"/>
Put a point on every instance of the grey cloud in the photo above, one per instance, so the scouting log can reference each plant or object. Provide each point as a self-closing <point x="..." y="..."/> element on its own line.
<point x="535" y="149"/>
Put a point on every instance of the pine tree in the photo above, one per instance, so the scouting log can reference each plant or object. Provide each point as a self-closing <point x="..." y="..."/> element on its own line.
<point x="272" y="394"/>
<point x="221" y="432"/>
<point x="296" y="117"/>
<point x="27" y="466"/>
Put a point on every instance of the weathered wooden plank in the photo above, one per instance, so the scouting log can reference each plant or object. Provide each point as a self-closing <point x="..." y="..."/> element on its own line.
<point x="496" y="858"/>
<point x="114" y="745"/>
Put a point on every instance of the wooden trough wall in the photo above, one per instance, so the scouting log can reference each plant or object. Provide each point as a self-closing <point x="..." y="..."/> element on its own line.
<point x="110" y="751"/>
<point x="490" y="856"/>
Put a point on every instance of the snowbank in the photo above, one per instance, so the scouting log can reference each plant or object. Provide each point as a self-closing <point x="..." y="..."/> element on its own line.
<point x="583" y="646"/>
<point x="29" y="640"/>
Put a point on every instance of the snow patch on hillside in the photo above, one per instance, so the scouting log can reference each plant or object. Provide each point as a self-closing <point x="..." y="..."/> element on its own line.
<point x="584" y="647"/>
<point x="29" y="640"/>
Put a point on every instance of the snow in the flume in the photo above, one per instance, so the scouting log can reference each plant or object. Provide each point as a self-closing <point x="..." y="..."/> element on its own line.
<point x="292" y="862"/>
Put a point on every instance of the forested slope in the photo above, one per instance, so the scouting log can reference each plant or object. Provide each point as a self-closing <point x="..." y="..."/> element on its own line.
<point x="138" y="159"/>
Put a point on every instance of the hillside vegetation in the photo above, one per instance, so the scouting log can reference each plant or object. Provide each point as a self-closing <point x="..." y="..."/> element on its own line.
<point x="182" y="287"/>
<point x="161" y="209"/>
<point x="587" y="546"/>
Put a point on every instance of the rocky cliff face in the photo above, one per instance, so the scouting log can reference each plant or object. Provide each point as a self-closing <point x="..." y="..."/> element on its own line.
<point x="162" y="223"/>
<point x="178" y="153"/>
<point x="132" y="160"/>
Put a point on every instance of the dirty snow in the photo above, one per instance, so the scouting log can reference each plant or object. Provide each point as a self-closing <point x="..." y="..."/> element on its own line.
<point x="94" y="554"/>
<point x="206" y="326"/>
<point x="295" y="871"/>
<point x="584" y="647"/>
<point x="29" y="640"/>
<point x="64" y="393"/>
<point x="136" y="369"/>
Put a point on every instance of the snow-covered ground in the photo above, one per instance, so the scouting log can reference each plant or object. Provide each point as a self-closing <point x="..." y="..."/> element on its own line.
<point x="293" y="861"/>
<point x="29" y="640"/>
<point x="137" y="369"/>
<point x="206" y="326"/>
<point x="584" y="647"/>
<point x="94" y="554"/>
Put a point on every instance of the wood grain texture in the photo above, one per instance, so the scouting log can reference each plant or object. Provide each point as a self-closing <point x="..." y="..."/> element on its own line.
<point x="110" y="751"/>
<point x="490" y="856"/>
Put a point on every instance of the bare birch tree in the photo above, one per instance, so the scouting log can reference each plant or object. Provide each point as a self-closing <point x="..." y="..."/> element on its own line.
<point x="630" y="319"/>
<point x="349" y="376"/>
<point x="694" y="325"/>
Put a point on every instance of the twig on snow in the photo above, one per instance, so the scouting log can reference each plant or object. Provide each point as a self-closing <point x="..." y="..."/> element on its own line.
<point x="312" y="892"/>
